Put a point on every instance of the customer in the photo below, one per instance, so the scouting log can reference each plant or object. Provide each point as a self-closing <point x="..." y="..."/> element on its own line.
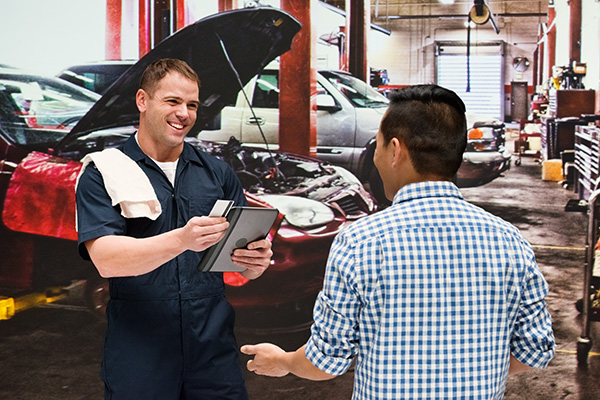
<point x="434" y="297"/>
<point x="170" y="328"/>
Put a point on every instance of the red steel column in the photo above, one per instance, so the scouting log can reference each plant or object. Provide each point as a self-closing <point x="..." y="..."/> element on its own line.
<point x="180" y="14"/>
<point x="575" y="31"/>
<point x="112" y="50"/>
<point x="343" y="48"/>
<point x="225" y="5"/>
<point x="539" y="54"/>
<point x="535" y="67"/>
<point x="144" y="27"/>
<point x="551" y="39"/>
<point x="297" y="85"/>
<point x="360" y="17"/>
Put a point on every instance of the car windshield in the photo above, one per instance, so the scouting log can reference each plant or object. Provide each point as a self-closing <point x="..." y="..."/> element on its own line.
<point x="95" y="77"/>
<point x="36" y="113"/>
<point x="357" y="91"/>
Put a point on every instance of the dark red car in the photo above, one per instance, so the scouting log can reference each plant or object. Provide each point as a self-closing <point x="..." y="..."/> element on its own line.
<point x="46" y="128"/>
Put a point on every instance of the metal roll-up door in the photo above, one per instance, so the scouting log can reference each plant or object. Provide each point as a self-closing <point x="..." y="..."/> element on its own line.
<point x="484" y="93"/>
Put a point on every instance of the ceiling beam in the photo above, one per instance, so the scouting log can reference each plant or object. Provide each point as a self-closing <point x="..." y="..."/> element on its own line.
<point x="462" y="16"/>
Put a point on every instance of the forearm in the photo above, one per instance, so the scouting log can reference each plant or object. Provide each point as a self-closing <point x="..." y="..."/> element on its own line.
<point x="516" y="366"/>
<point x="116" y="256"/>
<point x="271" y="360"/>
<point x="297" y="363"/>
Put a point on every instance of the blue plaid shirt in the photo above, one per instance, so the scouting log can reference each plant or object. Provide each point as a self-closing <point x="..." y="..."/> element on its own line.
<point x="431" y="296"/>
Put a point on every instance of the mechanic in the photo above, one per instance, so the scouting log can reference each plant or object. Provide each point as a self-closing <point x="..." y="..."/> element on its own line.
<point x="433" y="297"/>
<point x="170" y="327"/>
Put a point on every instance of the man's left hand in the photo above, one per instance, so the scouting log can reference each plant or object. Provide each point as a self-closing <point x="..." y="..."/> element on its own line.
<point x="256" y="258"/>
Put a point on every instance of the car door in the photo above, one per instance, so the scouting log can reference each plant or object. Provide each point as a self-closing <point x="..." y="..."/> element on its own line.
<point x="264" y="114"/>
<point x="336" y="128"/>
<point x="231" y="118"/>
<point x="345" y="131"/>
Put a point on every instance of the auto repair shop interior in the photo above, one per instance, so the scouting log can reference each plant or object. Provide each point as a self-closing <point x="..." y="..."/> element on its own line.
<point x="528" y="72"/>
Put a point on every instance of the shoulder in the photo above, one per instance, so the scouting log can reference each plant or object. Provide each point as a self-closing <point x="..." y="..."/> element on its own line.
<point x="369" y="228"/>
<point x="89" y="177"/>
<point x="483" y="217"/>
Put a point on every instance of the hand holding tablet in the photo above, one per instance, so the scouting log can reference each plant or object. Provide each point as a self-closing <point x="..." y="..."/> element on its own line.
<point x="246" y="225"/>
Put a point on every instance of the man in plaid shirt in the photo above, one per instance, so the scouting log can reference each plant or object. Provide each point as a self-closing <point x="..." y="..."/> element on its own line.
<point x="433" y="297"/>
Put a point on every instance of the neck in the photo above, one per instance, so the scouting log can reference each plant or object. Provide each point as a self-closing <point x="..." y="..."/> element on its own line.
<point x="156" y="151"/>
<point x="415" y="177"/>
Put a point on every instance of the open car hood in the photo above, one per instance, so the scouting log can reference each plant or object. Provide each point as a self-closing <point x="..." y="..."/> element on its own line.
<point x="251" y="37"/>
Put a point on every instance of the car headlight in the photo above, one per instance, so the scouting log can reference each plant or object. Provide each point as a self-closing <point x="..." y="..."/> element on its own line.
<point x="300" y="212"/>
<point x="481" y="139"/>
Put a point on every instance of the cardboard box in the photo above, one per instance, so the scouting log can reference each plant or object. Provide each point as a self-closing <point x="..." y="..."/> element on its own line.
<point x="552" y="170"/>
<point x="521" y="146"/>
<point x="535" y="143"/>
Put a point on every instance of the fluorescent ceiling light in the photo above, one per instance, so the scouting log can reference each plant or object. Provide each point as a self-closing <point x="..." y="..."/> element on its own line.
<point x="446" y="1"/>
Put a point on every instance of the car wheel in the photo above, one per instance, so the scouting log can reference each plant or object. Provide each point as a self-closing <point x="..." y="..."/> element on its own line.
<point x="97" y="295"/>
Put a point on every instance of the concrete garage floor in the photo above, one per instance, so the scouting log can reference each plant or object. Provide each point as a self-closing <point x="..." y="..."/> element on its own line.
<point x="54" y="352"/>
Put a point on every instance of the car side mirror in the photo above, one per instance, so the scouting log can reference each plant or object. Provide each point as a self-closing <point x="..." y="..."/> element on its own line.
<point x="326" y="102"/>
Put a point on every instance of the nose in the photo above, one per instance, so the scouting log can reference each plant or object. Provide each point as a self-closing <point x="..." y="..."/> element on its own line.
<point x="181" y="110"/>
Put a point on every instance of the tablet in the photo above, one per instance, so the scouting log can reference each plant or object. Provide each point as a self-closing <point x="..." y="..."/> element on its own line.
<point x="246" y="225"/>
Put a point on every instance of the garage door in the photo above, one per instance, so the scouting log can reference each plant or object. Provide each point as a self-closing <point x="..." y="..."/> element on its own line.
<point x="485" y="93"/>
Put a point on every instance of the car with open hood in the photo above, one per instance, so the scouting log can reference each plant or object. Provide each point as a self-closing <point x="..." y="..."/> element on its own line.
<point x="348" y="115"/>
<point x="47" y="126"/>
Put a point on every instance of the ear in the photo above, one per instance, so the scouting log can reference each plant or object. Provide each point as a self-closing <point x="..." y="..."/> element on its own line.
<point x="140" y="100"/>
<point x="398" y="151"/>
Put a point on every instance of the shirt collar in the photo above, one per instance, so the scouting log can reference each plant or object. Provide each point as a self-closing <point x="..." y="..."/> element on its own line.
<point x="425" y="189"/>
<point x="133" y="150"/>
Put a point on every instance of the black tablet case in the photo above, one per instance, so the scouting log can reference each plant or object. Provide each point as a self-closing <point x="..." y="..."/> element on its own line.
<point x="246" y="224"/>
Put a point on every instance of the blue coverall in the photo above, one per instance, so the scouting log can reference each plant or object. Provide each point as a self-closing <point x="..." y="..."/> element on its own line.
<point x="170" y="331"/>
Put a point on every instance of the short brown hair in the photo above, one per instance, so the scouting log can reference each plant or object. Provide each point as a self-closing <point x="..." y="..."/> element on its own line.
<point x="160" y="68"/>
<point x="431" y="122"/>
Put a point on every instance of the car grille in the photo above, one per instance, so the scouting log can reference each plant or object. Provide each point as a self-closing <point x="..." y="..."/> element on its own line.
<point x="351" y="206"/>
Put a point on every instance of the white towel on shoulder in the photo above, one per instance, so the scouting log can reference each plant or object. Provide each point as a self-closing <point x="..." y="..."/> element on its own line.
<point x="126" y="183"/>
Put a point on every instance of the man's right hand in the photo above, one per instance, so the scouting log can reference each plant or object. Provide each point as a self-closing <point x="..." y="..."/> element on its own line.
<point x="118" y="255"/>
<point x="202" y="232"/>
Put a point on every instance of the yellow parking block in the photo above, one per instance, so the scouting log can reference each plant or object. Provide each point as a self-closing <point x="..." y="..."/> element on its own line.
<point x="9" y="306"/>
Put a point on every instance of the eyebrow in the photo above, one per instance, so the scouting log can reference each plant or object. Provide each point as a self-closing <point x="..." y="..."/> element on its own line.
<point x="170" y="97"/>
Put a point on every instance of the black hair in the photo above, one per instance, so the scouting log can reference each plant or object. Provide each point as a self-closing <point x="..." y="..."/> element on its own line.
<point x="431" y="122"/>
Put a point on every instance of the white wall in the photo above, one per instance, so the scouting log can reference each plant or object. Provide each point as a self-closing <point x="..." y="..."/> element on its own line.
<point x="590" y="43"/>
<point x="409" y="55"/>
<point x="562" y="32"/>
<point x="47" y="35"/>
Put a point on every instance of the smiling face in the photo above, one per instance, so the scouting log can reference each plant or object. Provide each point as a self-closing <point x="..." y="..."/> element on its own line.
<point x="167" y="114"/>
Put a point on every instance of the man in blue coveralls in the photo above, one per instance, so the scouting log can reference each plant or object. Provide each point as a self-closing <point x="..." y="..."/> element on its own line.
<point x="170" y="328"/>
